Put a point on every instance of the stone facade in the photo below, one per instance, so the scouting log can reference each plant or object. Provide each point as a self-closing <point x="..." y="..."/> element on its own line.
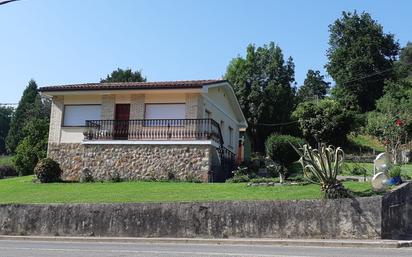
<point x="134" y="162"/>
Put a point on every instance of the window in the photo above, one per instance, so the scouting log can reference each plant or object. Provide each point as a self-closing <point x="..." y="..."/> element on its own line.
<point x="165" y="111"/>
<point x="76" y="115"/>
<point x="230" y="136"/>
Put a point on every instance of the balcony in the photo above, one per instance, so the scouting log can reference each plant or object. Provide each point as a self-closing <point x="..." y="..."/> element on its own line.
<point x="154" y="129"/>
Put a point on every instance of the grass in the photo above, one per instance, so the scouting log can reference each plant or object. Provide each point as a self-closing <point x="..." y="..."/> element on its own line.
<point x="6" y="160"/>
<point x="23" y="190"/>
<point x="366" y="142"/>
<point x="348" y="166"/>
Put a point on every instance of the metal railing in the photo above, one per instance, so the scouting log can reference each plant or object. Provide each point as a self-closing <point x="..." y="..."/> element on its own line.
<point x="153" y="129"/>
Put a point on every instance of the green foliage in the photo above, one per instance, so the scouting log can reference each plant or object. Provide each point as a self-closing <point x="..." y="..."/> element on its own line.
<point x="262" y="83"/>
<point x="126" y="75"/>
<point x="33" y="147"/>
<point x="361" y="58"/>
<point x="279" y="150"/>
<point x="5" y="118"/>
<point x="264" y="180"/>
<point x="324" y="164"/>
<point x="405" y="60"/>
<point x="391" y="122"/>
<point x="47" y="170"/>
<point x="314" y="87"/>
<point x="86" y="176"/>
<point x="395" y="171"/>
<point x="238" y="179"/>
<point x="30" y="107"/>
<point x="324" y="121"/>
<point x="366" y="142"/>
<point x="7" y="171"/>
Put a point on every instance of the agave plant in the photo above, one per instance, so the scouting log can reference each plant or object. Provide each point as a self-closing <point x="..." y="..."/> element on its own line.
<point x="324" y="165"/>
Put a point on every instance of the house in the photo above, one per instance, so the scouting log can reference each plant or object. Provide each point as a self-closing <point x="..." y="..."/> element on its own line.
<point x="186" y="130"/>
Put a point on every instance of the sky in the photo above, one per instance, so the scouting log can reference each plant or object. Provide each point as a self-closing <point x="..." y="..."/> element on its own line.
<point x="78" y="41"/>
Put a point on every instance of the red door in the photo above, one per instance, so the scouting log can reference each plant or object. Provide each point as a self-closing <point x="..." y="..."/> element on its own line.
<point x="121" y="123"/>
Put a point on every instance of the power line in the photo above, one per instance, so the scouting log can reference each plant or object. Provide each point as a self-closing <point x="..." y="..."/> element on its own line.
<point x="7" y="1"/>
<point x="277" y="124"/>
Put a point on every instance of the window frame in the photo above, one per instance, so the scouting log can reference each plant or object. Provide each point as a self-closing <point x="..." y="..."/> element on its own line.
<point x="230" y="136"/>
<point x="63" y="125"/>
<point x="152" y="123"/>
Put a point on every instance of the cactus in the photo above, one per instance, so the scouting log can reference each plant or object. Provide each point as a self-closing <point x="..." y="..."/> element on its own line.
<point x="324" y="164"/>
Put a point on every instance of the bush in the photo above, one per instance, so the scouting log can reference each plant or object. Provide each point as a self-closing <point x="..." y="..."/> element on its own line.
<point x="7" y="171"/>
<point x="47" y="170"/>
<point x="86" y="176"/>
<point x="238" y="179"/>
<point x="264" y="180"/>
<point x="395" y="171"/>
<point x="278" y="149"/>
<point x="32" y="148"/>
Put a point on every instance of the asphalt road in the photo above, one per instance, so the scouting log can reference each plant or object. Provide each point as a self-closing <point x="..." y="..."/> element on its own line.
<point x="12" y="248"/>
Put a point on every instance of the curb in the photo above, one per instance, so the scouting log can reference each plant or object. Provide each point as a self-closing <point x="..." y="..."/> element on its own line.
<point x="230" y="241"/>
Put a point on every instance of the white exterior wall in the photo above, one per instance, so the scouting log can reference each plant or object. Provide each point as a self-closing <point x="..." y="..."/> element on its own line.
<point x="217" y="102"/>
<point x="214" y="101"/>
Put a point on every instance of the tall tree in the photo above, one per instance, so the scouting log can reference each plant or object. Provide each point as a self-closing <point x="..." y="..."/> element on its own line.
<point x="391" y="122"/>
<point x="324" y="121"/>
<point x="405" y="59"/>
<point x="314" y="87"/>
<point x="31" y="106"/>
<point x="126" y="75"/>
<point x="361" y="58"/>
<point x="263" y="83"/>
<point x="5" y="118"/>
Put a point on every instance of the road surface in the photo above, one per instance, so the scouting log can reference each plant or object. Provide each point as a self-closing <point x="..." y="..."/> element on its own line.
<point x="28" y="248"/>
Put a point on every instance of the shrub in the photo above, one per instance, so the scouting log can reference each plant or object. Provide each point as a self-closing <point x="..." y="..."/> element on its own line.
<point x="32" y="148"/>
<point x="278" y="149"/>
<point x="86" y="176"/>
<point x="7" y="171"/>
<point x="395" y="171"/>
<point x="238" y="179"/>
<point x="115" y="177"/>
<point x="264" y="180"/>
<point x="47" y="170"/>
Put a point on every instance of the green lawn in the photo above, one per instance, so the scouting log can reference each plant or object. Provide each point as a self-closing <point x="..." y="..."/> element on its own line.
<point x="23" y="190"/>
<point x="347" y="166"/>
<point x="366" y="142"/>
<point x="6" y="160"/>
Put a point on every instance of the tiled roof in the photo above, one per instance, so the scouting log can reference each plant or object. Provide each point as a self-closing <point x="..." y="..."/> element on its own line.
<point x="133" y="85"/>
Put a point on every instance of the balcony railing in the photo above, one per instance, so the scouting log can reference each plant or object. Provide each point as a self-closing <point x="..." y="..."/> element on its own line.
<point x="153" y="129"/>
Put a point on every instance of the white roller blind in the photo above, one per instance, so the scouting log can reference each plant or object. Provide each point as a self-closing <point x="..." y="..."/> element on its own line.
<point x="76" y="115"/>
<point x="165" y="111"/>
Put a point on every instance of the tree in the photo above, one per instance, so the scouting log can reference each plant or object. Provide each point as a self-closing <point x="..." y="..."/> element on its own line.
<point x="361" y="58"/>
<point x="262" y="82"/>
<point x="33" y="147"/>
<point x="31" y="106"/>
<point x="314" y="87"/>
<point x="5" y="117"/>
<point x="405" y="59"/>
<point x="324" y="121"/>
<point x="391" y="122"/>
<point x="126" y="75"/>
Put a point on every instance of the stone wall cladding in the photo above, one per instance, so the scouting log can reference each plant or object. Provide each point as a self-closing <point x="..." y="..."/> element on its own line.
<point x="134" y="162"/>
<point x="70" y="158"/>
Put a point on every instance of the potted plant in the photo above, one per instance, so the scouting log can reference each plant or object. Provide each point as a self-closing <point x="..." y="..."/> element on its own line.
<point x="395" y="176"/>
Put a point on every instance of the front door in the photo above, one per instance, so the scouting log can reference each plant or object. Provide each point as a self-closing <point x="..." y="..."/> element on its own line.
<point x="121" y="124"/>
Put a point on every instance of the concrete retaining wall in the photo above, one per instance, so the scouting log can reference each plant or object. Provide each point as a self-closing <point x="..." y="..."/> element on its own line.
<point x="346" y="218"/>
